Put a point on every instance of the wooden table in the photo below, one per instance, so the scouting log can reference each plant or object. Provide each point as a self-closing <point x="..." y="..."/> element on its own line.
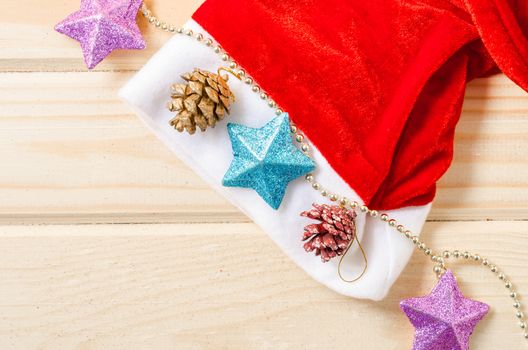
<point x="107" y="241"/>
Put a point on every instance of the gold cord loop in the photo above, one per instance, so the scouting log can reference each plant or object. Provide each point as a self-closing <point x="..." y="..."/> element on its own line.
<point x="228" y="70"/>
<point x="343" y="257"/>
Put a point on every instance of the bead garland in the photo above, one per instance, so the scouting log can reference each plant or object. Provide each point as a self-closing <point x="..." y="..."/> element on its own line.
<point x="438" y="259"/>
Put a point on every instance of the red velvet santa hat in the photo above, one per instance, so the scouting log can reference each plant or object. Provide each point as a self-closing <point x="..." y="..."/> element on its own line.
<point x="377" y="86"/>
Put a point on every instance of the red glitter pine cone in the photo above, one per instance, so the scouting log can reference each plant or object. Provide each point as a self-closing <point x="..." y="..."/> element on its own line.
<point x="334" y="232"/>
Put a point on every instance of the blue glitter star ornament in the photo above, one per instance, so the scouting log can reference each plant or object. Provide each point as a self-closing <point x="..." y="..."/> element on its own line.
<point x="265" y="159"/>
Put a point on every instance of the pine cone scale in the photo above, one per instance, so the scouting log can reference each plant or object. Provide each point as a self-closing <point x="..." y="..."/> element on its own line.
<point x="196" y="88"/>
<point x="225" y="100"/>
<point x="220" y="112"/>
<point x="212" y="83"/>
<point x="178" y="90"/>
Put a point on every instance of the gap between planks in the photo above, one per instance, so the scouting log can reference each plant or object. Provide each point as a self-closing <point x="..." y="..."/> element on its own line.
<point x="179" y="218"/>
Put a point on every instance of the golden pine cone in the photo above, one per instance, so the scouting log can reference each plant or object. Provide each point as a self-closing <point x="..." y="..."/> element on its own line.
<point x="202" y="101"/>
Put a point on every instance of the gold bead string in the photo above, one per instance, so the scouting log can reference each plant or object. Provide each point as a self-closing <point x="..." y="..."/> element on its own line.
<point x="438" y="259"/>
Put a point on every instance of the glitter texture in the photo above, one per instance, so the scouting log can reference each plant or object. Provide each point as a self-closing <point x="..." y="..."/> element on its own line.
<point x="445" y="319"/>
<point x="101" y="26"/>
<point x="265" y="159"/>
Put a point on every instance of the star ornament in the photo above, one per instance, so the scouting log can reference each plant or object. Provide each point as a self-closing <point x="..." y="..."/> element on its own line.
<point x="265" y="159"/>
<point x="445" y="319"/>
<point x="102" y="26"/>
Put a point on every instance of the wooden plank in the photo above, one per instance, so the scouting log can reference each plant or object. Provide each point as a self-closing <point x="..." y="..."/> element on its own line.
<point x="222" y="286"/>
<point x="29" y="42"/>
<point x="72" y="152"/>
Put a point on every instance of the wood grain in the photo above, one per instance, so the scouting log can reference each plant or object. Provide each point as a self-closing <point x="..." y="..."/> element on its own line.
<point x="134" y="251"/>
<point x="182" y="287"/>
<point x="73" y="152"/>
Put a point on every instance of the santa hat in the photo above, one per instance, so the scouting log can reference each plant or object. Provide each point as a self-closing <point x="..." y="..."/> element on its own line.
<point x="376" y="86"/>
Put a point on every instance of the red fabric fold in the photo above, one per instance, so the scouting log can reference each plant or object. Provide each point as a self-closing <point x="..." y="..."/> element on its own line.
<point x="376" y="85"/>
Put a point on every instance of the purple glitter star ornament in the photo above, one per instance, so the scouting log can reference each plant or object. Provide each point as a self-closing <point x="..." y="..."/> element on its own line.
<point x="102" y="26"/>
<point x="444" y="319"/>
